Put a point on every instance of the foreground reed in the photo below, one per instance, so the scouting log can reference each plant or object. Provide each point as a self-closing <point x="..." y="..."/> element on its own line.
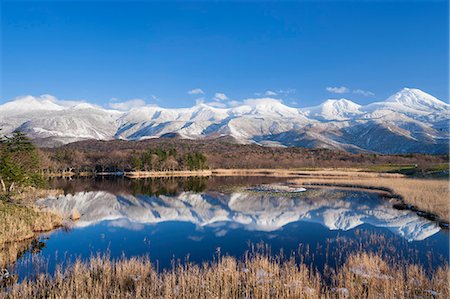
<point x="363" y="275"/>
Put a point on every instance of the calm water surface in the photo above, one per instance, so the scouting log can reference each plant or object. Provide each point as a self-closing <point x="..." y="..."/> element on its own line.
<point x="173" y="220"/>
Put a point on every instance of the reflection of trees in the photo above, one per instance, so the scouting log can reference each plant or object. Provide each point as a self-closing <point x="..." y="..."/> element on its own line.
<point x="119" y="185"/>
<point x="154" y="186"/>
<point x="196" y="184"/>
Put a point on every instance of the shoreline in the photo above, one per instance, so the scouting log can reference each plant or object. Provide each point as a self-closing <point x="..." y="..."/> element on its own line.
<point x="21" y="219"/>
<point x="285" y="172"/>
<point x="398" y="201"/>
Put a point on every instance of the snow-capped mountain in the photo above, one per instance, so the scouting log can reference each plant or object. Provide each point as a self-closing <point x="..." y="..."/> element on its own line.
<point x="408" y="121"/>
<point x="341" y="109"/>
<point x="261" y="212"/>
<point x="412" y="102"/>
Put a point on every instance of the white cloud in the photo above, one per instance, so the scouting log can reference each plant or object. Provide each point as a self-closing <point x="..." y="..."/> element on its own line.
<point x="155" y="98"/>
<point x="218" y="96"/>
<point x="270" y="93"/>
<point x="216" y="104"/>
<point x="338" y="90"/>
<point x="63" y="103"/>
<point x="123" y="223"/>
<point x="233" y="103"/>
<point x="199" y="101"/>
<point x="262" y="101"/>
<point x="287" y="91"/>
<point x="365" y="93"/>
<point x="126" y="105"/>
<point x="196" y="91"/>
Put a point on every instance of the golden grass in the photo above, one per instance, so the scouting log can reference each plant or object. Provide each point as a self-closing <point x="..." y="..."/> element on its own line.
<point x="75" y="215"/>
<point x="429" y="195"/>
<point x="31" y="194"/>
<point x="319" y="172"/>
<point x="367" y="275"/>
<point x="327" y="172"/>
<point x="20" y="222"/>
<point x="175" y="173"/>
<point x="255" y="276"/>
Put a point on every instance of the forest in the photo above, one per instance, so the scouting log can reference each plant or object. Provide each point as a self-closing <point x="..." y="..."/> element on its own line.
<point x="177" y="154"/>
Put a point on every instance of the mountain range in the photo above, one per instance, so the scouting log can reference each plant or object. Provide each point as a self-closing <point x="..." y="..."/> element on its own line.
<point x="410" y="121"/>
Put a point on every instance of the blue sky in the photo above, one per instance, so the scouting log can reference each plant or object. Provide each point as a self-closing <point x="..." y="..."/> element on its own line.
<point x="302" y="52"/>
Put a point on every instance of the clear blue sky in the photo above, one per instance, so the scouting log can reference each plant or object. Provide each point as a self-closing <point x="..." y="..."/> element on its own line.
<point x="101" y="50"/>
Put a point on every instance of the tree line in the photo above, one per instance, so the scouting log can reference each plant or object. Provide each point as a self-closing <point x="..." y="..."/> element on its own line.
<point x="174" y="154"/>
<point x="23" y="165"/>
<point x="168" y="160"/>
<point x="150" y="159"/>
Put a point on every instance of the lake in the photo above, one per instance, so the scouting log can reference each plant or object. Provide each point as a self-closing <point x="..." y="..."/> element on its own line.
<point x="172" y="220"/>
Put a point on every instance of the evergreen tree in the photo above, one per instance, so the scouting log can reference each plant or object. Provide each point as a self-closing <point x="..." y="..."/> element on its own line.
<point x="19" y="163"/>
<point x="136" y="163"/>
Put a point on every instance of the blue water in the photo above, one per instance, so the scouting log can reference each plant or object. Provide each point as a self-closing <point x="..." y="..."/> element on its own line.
<point x="320" y="227"/>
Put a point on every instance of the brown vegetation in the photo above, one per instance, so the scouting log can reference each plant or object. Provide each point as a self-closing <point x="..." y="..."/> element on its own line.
<point x="175" y="173"/>
<point x="428" y="195"/>
<point x="11" y="252"/>
<point x="255" y="276"/>
<point x="92" y="155"/>
<point x="31" y="194"/>
<point x="317" y="172"/>
<point x="75" y="215"/>
<point x="20" y="222"/>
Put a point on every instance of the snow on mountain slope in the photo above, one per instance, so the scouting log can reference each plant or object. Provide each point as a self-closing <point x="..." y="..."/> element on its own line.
<point x="417" y="99"/>
<point x="409" y="121"/>
<point x="265" y="107"/>
<point x="30" y="104"/>
<point x="82" y="123"/>
<point x="411" y="102"/>
<point x="45" y="117"/>
<point x="341" y="109"/>
<point x="261" y="212"/>
<point x="152" y="122"/>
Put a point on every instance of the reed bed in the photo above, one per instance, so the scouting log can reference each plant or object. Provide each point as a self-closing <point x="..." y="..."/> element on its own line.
<point x="313" y="172"/>
<point x="428" y="195"/>
<point x="20" y="222"/>
<point x="30" y="194"/>
<point x="256" y="275"/>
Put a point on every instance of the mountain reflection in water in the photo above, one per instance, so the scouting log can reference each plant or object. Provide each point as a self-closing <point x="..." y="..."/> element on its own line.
<point x="254" y="211"/>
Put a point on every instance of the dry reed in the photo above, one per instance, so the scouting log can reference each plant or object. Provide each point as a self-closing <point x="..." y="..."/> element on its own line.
<point x="18" y="222"/>
<point x="428" y="195"/>
<point x="255" y="276"/>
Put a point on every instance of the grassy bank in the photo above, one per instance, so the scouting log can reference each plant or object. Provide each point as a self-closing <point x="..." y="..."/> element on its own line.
<point x="428" y="195"/>
<point x="175" y="173"/>
<point x="20" y="222"/>
<point x="255" y="276"/>
<point x="238" y="172"/>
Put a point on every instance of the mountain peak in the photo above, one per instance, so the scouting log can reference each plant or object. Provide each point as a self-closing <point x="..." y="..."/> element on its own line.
<point x="30" y="103"/>
<point x="333" y="109"/>
<point x="342" y="104"/>
<point x="266" y="107"/>
<point x="417" y="99"/>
